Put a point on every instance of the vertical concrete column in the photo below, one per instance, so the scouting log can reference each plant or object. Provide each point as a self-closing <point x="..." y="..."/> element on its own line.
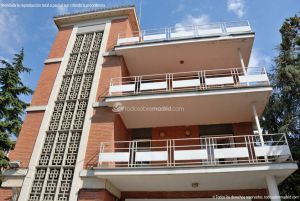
<point x="257" y="124"/>
<point x="242" y="61"/>
<point x="272" y="188"/>
<point x="15" y="194"/>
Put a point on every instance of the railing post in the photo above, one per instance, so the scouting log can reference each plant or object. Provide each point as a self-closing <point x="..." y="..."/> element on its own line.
<point x="287" y="143"/>
<point x="246" y="145"/>
<point x="265" y="72"/>
<point x="118" y="39"/>
<point x="169" y="87"/>
<point x="168" y="152"/>
<point x="143" y="33"/>
<point x="110" y="85"/>
<point x="223" y="27"/>
<point x="100" y="151"/>
<point x="251" y="145"/>
<point x="135" y="84"/>
<point x="195" y="30"/>
<point x="132" y="148"/>
<point x="203" y="74"/>
<point x="248" y="24"/>
<point x="167" y="33"/>
<point x="169" y="80"/>
<point x="172" y="152"/>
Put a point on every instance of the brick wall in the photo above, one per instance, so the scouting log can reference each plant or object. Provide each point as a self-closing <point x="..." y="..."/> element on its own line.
<point x="176" y="132"/>
<point x="241" y="129"/>
<point x="244" y="128"/>
<point x="106" y="126"/>
<point x="47" y="78"/>
<point x="60" y="43"/>
<point x="5" y="194"/>
<point x="95" y="195"/>
<point x="113" y="66"/>
<point x="27" y="137"/>
<point x="117" y="26"/>
<point x="45" y="84"/>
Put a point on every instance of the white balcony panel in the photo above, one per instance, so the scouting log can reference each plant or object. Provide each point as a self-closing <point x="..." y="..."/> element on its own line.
<point x="278" y="150"/>
<point x="197" y="154"/>
<point x="231" y="153"/>
<point x="122" y="88"/>
<point x="238" y="29"/>
<point x="153" y="85"/>
<point x="151" y="156"/>
<point x="182" y="34"/>
<point x="128" y="40"/>
<point x="155" y="37"/>
<point x="219" y="80"/>
<point x="114" y="157"/>
<point x="253" y="78"/>
<point x="186" y="83"/>
<point x="203" y="32"/>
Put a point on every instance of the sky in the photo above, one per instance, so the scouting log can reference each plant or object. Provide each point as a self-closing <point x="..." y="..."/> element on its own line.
<point x="31" y="27"/>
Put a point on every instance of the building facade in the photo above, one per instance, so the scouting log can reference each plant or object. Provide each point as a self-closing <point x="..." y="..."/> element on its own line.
<point x="121" y="113"/>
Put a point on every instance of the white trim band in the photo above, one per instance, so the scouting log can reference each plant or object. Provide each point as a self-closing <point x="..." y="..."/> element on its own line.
<point x="36" y="108"/>
<point x="53" y="60"/>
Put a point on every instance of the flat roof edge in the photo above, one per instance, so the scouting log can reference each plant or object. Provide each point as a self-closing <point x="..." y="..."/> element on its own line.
<point x="130" y="11"/>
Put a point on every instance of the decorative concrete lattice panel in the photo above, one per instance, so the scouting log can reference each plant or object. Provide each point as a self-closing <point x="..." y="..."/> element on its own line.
<point x="55" y="169"/>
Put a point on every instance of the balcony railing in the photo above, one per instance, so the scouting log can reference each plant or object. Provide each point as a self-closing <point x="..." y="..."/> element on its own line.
<point x="204" y="151"/>
<point x="183" y="32"/>
<point x="188" y="81"/>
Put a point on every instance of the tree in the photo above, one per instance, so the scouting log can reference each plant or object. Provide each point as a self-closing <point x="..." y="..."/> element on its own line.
<point x="282" y="114"/>
<point x="11" y="106"/>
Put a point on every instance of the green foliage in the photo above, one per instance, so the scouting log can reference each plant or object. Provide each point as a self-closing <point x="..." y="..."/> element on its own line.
<point x="282" y="114"/>
<point x="11" y="106"/>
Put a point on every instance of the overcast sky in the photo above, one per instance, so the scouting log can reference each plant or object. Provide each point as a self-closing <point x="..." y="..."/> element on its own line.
<point x="34" y="30"/>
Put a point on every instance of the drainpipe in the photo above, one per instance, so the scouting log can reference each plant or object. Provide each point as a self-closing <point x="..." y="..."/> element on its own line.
<point x="258" y="124"/>
<point x="272" y="188"/>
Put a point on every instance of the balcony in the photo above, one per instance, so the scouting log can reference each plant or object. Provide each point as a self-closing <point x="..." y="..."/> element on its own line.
<point x="205" y="97"/>
<point x="177" y="33"/>
<point x="216" y="163"/>
<point x="184" y="47"/>
<point x="204" y="151"/>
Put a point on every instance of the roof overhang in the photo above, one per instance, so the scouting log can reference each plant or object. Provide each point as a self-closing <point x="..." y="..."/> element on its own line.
<point x="194" y="54"/>
<point x="191" y="108"/>
<point x="181" y="178"/>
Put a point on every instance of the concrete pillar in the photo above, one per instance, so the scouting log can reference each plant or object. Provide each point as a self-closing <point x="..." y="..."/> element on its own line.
<point x="272" y="188"/>
<point x="242" y="61"/>
<point x="15" y="194"/>
<point x="257" y="124"/>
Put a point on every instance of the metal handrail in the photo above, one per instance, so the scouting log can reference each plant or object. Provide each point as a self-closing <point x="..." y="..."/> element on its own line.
<point x="169" y="80"/>
<point x="274" y="150"/>
<point x="224" y="28"/>
<point x="197" y="138"/>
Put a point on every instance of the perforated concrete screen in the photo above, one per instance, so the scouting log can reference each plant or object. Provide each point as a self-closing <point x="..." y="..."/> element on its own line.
<point x="57" y="161"/>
